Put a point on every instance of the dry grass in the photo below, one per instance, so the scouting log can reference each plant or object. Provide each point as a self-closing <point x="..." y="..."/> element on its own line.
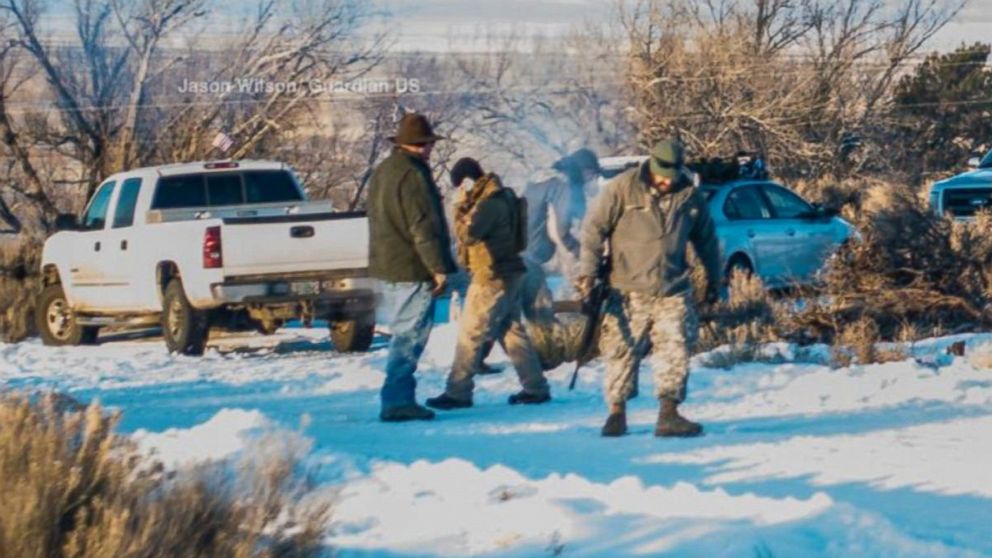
<point x="19" y="260"/>
<point x="17" y="300"/>
<point x="749" y="317"/>
<point x="72" y="487"/>
<point x="20" y="257"/>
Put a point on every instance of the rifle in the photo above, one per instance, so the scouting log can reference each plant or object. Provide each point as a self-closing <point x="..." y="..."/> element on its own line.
<point x="592" y="309"/>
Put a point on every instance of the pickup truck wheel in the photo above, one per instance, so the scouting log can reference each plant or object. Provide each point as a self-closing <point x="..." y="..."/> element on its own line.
<point x="56" y="322"/>
<point x="353" y="336"/>
<point x="184" y="328"/>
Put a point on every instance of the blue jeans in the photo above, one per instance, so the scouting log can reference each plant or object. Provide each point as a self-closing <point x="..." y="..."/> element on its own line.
<point x="411" y="326"/>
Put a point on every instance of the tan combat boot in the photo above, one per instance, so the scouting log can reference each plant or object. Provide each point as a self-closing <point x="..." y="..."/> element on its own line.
<point x="616" y="423"/>
<point x="671" y="423"/>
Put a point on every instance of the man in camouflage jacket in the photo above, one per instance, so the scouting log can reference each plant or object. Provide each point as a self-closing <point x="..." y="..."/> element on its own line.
<point x="648" y="215"/>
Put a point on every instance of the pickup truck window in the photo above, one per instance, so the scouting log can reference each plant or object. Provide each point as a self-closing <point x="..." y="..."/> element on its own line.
<point x="229" y="188"/>
<point x="271" y="187"/>
<point x="127" y="199"/>
<point x="986" y="162"/>
<point x="96" y="214"/>
<point x="174" y="192"/>
<point x="224" y="189"/>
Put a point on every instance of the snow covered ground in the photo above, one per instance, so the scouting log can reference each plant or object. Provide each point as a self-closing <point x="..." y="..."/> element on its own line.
<point x="798" y="460"/>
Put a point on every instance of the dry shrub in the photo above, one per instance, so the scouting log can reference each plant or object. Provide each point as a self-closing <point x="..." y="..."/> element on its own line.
<point x="912" y="273"/>
<point x="72" y="487"/>
<point x="20" y="256"/>
<point x="19" y="286"/>
<point x="750" y="317"/>
<point x="17" y="301"/>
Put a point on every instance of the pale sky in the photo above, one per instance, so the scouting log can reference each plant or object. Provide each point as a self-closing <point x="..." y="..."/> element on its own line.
<point x="440" y="25"/>
<point x="436" y="24"/>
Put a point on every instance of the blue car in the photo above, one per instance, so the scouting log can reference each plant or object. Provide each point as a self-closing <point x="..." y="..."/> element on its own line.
<point x="766" y="229"/>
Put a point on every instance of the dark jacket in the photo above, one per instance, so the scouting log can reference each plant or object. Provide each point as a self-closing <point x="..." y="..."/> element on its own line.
<point x="487" y="232"/>
<point x="408" y="236"/>
<point x="648" y="234"/>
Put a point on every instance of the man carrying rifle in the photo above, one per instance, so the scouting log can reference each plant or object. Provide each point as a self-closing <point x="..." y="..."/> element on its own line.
<point x="647" y="216"/>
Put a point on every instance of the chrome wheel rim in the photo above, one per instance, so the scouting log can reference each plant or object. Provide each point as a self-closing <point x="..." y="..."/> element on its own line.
<point x="59" y="319"/>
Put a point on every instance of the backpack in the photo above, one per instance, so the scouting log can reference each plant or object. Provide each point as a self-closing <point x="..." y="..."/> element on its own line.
<point x="518" y="206"/>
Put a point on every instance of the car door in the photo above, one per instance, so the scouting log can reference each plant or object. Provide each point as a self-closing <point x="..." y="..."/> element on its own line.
<point x="88" y="263"/>
<point x="122" y="271"/>
<point x="801" y="239"/>
<point x="748" y="229"/>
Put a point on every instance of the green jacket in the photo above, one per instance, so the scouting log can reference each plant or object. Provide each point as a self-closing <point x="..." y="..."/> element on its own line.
<point x="408" y="236"/>
<point x="486" y="229"/>
<point x="648" y="235"/>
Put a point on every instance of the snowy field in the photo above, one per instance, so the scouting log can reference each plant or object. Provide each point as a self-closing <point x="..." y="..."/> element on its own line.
<point x="799" y="459"/>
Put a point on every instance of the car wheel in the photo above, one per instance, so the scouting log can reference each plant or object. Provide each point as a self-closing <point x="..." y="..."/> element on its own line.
<point x="184" y="328"/>
<point x="353" y="336"/>
<point x="56" y="322"/>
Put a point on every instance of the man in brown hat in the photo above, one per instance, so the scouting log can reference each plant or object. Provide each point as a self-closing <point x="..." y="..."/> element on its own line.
<point x="410" y="253"/>
<point x="647" y="216"/>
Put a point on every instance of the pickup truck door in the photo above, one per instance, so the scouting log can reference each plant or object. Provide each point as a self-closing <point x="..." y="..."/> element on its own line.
<point x="121" y="271"/>
<point x="801" y="242"/>
<point x="87" y="258"/>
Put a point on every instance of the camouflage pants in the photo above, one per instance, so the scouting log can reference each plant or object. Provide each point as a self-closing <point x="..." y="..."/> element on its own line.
<point x="635" y="324"/>
<point x="493" y="313"/>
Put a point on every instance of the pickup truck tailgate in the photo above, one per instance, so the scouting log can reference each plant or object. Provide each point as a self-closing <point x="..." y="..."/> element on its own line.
<point x="294" y="244"/>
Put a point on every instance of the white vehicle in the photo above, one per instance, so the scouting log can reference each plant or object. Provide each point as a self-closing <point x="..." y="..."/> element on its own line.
<point x="232" y="244"/>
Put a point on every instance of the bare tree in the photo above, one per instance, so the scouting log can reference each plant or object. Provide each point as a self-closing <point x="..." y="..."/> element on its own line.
<point x="114" y="86"/>
<point x="800" y="80"/>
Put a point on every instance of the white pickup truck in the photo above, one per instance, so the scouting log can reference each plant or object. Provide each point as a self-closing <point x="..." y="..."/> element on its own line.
<point x="225" y="244"/>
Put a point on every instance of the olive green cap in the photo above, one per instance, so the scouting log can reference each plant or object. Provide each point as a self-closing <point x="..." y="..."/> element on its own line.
<point x="667" y="159"/>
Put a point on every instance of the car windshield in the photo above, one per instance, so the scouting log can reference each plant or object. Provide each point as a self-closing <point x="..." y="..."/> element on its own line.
<point x="986" y="162"/>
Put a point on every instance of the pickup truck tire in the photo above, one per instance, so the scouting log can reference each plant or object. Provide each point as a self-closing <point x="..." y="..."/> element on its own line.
<point x="353" y="336"/>
<point x="184" y="328"/>
<point x="56" y="321"/>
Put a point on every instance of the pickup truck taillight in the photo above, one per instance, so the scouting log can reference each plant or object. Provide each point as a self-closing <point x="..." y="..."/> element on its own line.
<point x="213" y="255"/>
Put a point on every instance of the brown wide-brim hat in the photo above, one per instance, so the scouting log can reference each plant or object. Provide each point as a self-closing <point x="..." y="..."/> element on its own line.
<point x="414" y="129"/>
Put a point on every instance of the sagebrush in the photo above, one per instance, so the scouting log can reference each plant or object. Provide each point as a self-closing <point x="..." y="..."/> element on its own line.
<point x="72" y="487"/>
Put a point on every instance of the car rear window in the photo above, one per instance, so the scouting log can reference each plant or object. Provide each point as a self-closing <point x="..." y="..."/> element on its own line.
<point x="228" y="188"/>
<point x="270" y="187"/>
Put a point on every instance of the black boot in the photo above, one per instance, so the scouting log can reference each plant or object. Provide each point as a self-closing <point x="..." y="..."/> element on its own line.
<point x="672" y="424"/>
<point x="405" y="413"/>
<point x="616" y="423"/>
<point x="524" y="398"/>
<point x="446" y="402"/>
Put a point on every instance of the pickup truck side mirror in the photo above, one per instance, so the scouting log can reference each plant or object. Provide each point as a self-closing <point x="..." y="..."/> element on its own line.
<point x="974" y="162"/>
<point x="66" y="222"/>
